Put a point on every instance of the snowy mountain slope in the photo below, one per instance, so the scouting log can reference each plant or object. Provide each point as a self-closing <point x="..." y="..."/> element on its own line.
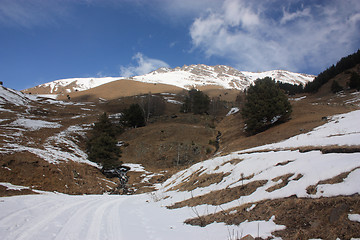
<point x="279" y="174"/>
<point x="223" y="76"/>
<point x="9" y="96"/>
<point x="65" y="86"/>
<point x="314" y="166"/>
<point x="16" y="123"/>
<point x="185" y="77"/>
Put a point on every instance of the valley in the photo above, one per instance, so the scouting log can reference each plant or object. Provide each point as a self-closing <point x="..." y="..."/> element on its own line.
<point x="296" y="180"/>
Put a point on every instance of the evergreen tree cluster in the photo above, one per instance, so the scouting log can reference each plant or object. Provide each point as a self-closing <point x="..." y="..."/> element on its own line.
<point x="102" y="144"/>
<point x="265" y="105"/>
<point x="344" y="64"/>
<point x="354" y="81"/>
<point x="133" y="116"/>
<point x="291" y="89"/>
<point x="335" y="87"/>
<point x="196" y="102"/>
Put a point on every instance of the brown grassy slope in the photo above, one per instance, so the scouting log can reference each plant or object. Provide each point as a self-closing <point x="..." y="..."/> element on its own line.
<point x="169" y="142"/>
<point x="307" y="114"/>
<point x="325" y="218"/>
<point x="27" y="169"/>
<point x="121" y="88"/>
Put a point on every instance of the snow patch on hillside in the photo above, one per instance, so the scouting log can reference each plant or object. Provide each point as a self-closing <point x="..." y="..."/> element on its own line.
<point x="11" y="96"/>
<point x="304" y="169"/>
<point x="34" y="125"/>
<point x="341" y="130"/>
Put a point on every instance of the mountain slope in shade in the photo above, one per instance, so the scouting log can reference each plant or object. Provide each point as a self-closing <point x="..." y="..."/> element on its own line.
<point x="185" y="77"/>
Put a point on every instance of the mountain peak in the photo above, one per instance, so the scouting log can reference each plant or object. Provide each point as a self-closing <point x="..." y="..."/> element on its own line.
<point x="187" y="76"/>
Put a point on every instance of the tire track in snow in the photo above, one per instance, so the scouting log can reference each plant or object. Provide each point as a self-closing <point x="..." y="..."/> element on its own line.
<point x="78" y="222"/>
<point x="106" y="217"/>
<point x="42" y="221"/>
<point x="114" y="221"/>
<point x="21" y="212"/>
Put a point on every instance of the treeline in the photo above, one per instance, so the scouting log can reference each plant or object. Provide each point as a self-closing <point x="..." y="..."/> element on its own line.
<point x="291" y="89"/>
<point x="344" y="64"/>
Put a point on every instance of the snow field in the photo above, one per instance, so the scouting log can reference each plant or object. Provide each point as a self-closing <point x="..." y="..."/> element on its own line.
<point x="98" y="217"/>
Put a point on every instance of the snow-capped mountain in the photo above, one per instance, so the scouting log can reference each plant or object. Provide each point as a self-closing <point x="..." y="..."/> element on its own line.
<point x="220" y="75"/>
<point x="63" y="86"/>
<point x="185" y="77"/>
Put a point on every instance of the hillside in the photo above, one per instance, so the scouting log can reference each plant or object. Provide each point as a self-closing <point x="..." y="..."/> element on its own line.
<point x="186" y="77"/>
<point x="297" y="180"/>
<point x="305" y="187"/>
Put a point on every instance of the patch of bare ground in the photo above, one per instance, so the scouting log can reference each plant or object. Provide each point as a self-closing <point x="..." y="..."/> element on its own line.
<point x="5" y="192"/>
<point x="312" y="189"/>
<point x="199" y="180"/>
<point x="168" y="142"/>
<point x="121" y="88"/>
<point x="325" y="218"/>
<point x="27" y="169"/>
<point x="221" y="196"/>
<point x="284" y="181"/>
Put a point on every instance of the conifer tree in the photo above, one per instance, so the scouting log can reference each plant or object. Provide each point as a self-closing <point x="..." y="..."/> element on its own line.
<point x="354" y="81"/>
<point x="101" y="146"/>
<point x="335" y="87"/>
<point x="265" y="105"/>
<point x="196" y="102"/>
<point x="133" y="116"/>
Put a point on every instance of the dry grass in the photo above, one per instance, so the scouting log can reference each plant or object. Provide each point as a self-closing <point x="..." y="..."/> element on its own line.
<point x="325" y="218"/>
<point x="221" y="196"/>
<point x="199" y="180"/>
<point x="122" y="88"/>
<point x="312" y="189"/>
<point x="307" y="114"/>
<point x="27" y="169"/>
<point x="284" y="181"/>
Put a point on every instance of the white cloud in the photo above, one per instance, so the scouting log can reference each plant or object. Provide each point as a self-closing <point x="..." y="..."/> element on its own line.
<point x="258" y="35"/>
<point x="290" y="16"/>
<point x="144" y="65"/>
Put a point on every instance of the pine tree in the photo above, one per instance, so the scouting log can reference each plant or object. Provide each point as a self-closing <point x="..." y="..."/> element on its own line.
<point x="196" y="102"/>
<point x="101" y="146"/>
<point x="354" y="81"/>
<point x="133" y="116"/>
<point x="335" y="87"/>
<point x="265" y="105"/>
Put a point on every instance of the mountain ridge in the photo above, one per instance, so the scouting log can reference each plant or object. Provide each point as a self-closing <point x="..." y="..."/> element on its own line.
<point x="186" y="77"/>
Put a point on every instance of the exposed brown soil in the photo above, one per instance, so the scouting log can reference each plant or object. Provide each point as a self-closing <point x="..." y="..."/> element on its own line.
<point x="169" y="142"/>
<point x="198" y="180"/>
<point x="284" y="181"/>
<point x="121" y="88"/>
<point x="221" y="196"/>
<point x="312" y="189"/>
<point x="325" y="218"/>
<point x="5" y="192"/>
<point x="27" y="169"/>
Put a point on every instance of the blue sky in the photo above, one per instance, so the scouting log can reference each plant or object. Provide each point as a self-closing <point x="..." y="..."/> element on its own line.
<point x="45" y="40"/>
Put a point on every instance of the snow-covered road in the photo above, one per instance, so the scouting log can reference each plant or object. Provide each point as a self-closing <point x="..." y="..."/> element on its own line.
<point x="98" y="217"/>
